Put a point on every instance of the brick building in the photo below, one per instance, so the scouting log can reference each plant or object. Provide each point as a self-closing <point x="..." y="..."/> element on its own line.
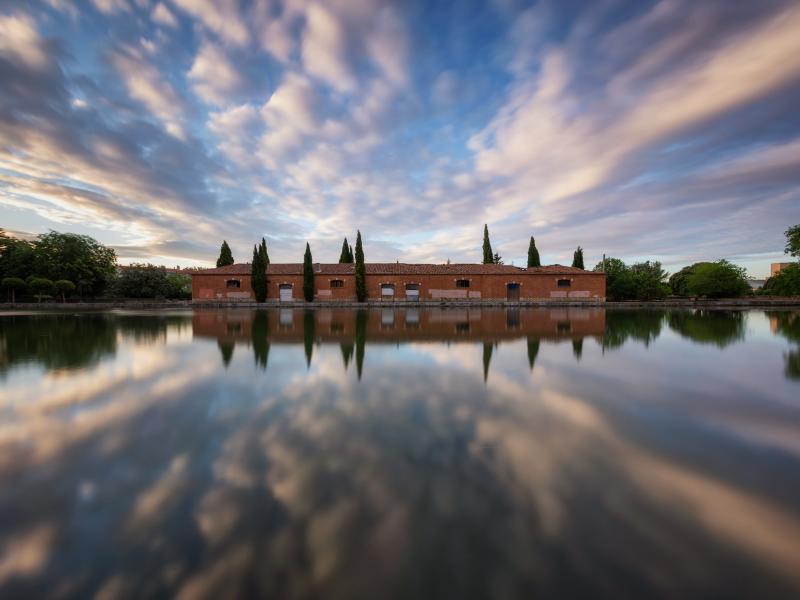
<point x="400" y="281"/>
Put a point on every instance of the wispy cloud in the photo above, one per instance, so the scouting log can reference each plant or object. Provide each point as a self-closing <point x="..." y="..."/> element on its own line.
<point x="635" y="132"/>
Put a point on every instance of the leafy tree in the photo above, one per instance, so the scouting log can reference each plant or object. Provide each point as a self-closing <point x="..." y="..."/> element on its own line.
<point x="77" y="258"/>
<point x="793" y="241"/>
<point x="497" y="259"/>
<point x="258" y="275"/>
<point x="719" y="279"/>
<point x="649" y="280"/>
<point x="225" y="255"/>
<point x="488" y="255"/>
<point x="620" y="284"/>
<point x="784" y="283"/>
<point x="179" y="286"/>
<point x="16" y="257"/>
<point x="533" y="255"/>
<point x="41" y="287"/>
<point x="308" y="275"/>
<point x="143" y="281"/>
<point x="12" y="284"/>
<point x="346" y="255"/>
<point x="679" y="281"/>
<point x="577" y="258"/>
<point x="64" y="287"/>
<point x="361" y="282"/>
<point x="641" y="281"/>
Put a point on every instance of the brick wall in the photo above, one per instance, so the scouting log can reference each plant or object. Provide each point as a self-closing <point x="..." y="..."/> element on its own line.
<point x="531" y="286"/>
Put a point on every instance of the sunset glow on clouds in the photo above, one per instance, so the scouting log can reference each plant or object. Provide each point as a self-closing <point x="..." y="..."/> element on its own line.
<point x="667" y="130"/>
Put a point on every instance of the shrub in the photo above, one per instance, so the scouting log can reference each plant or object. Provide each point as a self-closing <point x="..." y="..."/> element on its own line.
<point x="719" y="279"/>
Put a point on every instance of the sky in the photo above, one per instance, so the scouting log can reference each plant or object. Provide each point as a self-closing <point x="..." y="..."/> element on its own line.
<point x="664" y="130"/>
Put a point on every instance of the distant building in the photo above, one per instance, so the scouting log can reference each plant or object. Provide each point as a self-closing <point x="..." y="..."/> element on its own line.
<point x="776" y="268"/>
<point x="400" y="281"/>
<point x="756" y="284"/>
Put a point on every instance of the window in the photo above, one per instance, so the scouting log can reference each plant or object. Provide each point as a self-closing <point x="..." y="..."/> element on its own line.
<point x="337" y="283"/>
<point x="233" y="283"/>
<point x="462" y="283"/>
<point x="412" y="286"/>
<point x="564" y="282"/>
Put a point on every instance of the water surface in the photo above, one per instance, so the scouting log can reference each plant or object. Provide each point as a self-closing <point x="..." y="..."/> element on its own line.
<point x="400" y="454"/>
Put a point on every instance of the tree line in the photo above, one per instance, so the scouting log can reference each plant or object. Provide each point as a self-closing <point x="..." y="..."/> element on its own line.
<point x="62" y="265"/>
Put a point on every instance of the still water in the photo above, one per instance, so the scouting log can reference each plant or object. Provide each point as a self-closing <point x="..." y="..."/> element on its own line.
<point x="400" y="454"/>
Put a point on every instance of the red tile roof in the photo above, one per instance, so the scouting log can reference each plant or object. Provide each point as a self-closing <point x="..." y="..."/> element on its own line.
<point x="394" y="269"/>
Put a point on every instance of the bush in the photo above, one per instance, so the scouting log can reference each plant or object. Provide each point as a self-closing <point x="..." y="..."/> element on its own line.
<point x="784" y="283"/>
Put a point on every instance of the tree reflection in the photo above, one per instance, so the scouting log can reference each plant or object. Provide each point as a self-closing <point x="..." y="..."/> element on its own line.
<point x="56" y="341"/>
<point x="260" y="340"/>
<point x="787" y="324"/>
<point x="640" y="325"/>
<point x="717" y="327"/>
<point x="533" y="351"/>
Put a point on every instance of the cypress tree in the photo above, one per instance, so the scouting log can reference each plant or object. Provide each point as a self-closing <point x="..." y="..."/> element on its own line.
<point x="308" y="275"/>
<point x="258" y="275"/>
<point x="262" y="251"/>
<point x="361" y="283"/>
<point x="577" y="258"/>
<point x="352" y="255"/>
<point x="346" y="255"/>
<point x="533" y="255"/>
<point x="264" y="256"/>
<point x="225" y="255"/>
<point x="488" y="255"/>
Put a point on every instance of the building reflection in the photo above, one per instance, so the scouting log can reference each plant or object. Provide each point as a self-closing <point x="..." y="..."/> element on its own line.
<point x="787" y="324"/>
<point x="352" y="330"/>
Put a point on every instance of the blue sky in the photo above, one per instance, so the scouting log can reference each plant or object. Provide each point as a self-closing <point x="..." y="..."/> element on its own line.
<point x="665" y="130"/>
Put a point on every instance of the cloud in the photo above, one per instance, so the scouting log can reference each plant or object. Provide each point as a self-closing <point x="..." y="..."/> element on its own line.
<point x="109" y="7"/>
<point x="20" y="41"/>
<point x="215" y="79"/>
<point x="163" y="16"/>
<point x="325" y="49"/>
<point x="145" y="84"/>
<point x="223" y="17"/>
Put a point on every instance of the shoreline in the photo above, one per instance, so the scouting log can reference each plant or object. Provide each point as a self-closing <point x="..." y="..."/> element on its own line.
<point x="766" y="301"/>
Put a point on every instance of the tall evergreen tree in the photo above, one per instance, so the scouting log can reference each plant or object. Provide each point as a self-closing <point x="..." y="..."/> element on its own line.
<point x="258" y="275"/>
<point x="533" y="255"/>
<point x="488" y="255"/>
<point x="361" y="283"/>
<point x="308" y="275"/>
<point x="225" y="255"/>
<point x="346" y="255"/>
<point x="262" y="251"/>
<point x="577" y="258"/>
